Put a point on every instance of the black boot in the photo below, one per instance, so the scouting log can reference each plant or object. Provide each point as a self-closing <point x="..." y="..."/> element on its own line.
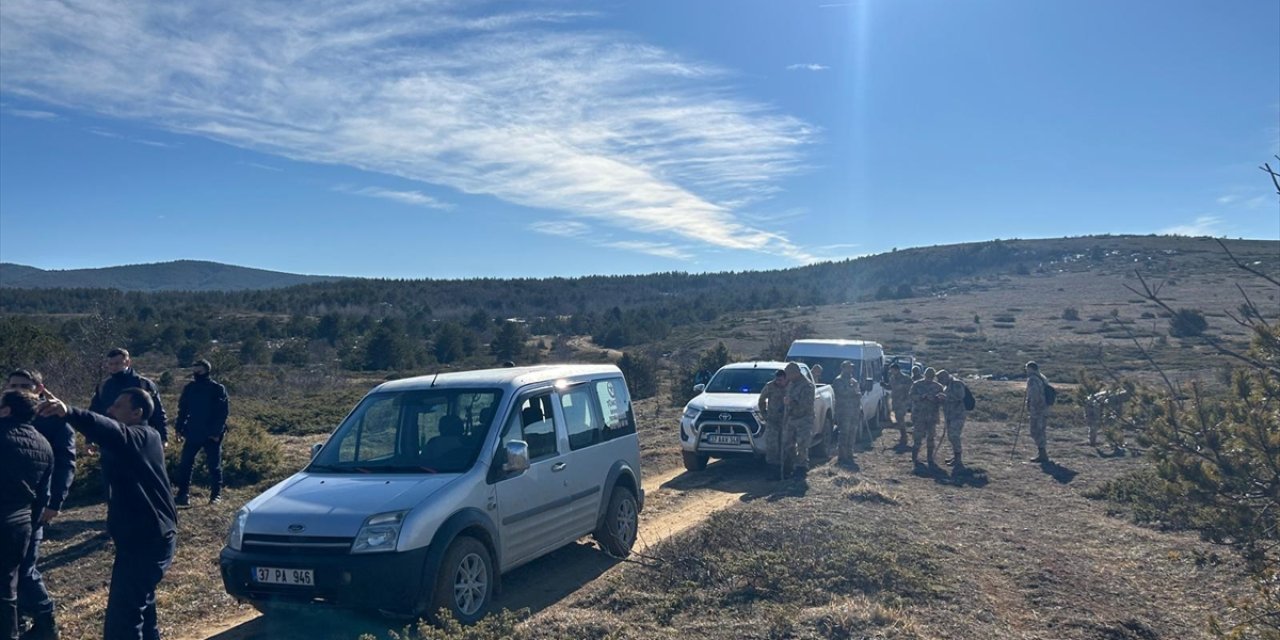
<point x="42" y="628"/>
<point x="183" y="499"/>
<point x="1041" y="456"/>
<point x="215" y="495"/>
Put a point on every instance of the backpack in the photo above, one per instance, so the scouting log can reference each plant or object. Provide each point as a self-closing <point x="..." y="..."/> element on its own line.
<point x="1050" y="394"/>
<point x="969" y="402"/>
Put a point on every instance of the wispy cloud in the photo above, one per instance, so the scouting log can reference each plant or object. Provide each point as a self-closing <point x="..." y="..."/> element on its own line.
<point x="538" y="108"/>
<point x="1203" y="226"/>
<point x="574" y="229"/>
<point x="562" y="228"/>
<point x="105" y="133"/>
<point x="659" y="249"/>
<point x="807" y="66"/>
<point x="415" y="198"/>
<point x="34" y="114"/>
<point x="1227" y="199"/>
<point x="264" y="167"/>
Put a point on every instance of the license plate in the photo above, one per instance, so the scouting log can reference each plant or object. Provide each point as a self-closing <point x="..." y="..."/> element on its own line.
<point x="275" y="575"/>
<point x="719" y="439"/>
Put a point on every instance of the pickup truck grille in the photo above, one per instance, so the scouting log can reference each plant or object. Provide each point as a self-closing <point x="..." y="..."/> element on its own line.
<point x="296" y="545"/>
<point x="722" y="422"/>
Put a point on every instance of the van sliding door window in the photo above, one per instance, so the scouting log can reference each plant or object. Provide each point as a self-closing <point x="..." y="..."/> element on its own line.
<point x="615" y="404"/>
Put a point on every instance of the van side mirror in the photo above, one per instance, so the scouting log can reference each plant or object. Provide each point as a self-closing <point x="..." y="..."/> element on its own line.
<point x="517" y="460"/>
<point x="315" y="449"/>
<point x="868" y="385"/>
<point x="699" y="388"/>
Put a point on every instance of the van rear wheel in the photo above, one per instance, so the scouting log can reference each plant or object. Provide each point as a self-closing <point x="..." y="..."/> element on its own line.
<point x="694" y="461"/>
<point x="617" y="534"/>
<point x="464" y="586"/>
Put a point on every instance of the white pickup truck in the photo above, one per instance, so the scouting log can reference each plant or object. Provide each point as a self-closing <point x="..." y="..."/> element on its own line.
<point x="724" y="421"/>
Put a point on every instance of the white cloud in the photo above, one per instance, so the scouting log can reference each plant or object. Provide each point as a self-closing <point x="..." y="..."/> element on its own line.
<point x="659" y="249"/>
<point x="415" y="198"/>
<point x="1228" y="199"/>
<point x="537" y="108"/>
<point x="574" y="229"/>
<point x="809" y="66"/>
<point x="1203" y="226"/>
<point x="117" y="136"/>
<point x="33" y="114"/>
<point x="562" y="228"/>
<point x="264" y="167"/>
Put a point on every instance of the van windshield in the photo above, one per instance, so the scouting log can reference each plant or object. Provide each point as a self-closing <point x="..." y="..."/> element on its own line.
<point x="422" y="431"/>
<point x="739" y="380"/>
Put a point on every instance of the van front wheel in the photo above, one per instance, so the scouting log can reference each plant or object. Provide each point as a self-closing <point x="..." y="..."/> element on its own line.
<point x="617" y="534"/>
<point x="464" y="586"/>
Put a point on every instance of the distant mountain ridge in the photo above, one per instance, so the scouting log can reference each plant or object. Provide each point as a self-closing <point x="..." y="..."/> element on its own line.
<point x="178" y="275"/>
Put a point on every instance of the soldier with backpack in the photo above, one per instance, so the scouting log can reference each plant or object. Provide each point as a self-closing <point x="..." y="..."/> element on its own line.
<point x="1040" y="394"/>
<point x="958" y="401"/>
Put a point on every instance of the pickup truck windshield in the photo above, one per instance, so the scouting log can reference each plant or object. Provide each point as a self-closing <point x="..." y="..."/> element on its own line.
<point x="739" y="380"/>
<point x="427" y="431"/>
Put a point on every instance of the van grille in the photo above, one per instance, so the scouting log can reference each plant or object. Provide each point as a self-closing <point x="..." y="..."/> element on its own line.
<point x="296" y="545"/>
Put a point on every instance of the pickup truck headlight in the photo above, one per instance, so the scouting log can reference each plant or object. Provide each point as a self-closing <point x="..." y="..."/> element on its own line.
<point x="379" y="533"/>
<point x="691" y="413"/>
<point x="235" y="537"/>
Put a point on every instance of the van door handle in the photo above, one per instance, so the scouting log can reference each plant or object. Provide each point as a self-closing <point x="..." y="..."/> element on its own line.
<point x="559" y="466"/>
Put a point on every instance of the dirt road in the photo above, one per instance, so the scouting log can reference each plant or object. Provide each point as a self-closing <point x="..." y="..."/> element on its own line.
<point x="674" y="502"/>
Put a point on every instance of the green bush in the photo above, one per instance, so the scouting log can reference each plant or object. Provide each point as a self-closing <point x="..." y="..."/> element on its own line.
<point x="1187" y="323"/>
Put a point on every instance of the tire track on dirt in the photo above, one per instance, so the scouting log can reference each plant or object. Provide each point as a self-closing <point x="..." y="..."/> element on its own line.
<point x="675" y="502"/>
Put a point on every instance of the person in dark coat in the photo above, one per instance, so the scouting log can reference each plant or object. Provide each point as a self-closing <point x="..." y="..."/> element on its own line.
<point x="122" y="377"/>
<point x="33" y="596"/>
<point x="202" y="421"/>
<point x="26" y="463"/>
<point x="141" y="516"/>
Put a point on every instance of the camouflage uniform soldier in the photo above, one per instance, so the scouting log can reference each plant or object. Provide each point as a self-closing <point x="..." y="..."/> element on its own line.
<point x="772" y="408"/>
<point x="1093" y="415"/>
<point x="848" y="401"/>
<point x="953" y="411"/>
<point x="1037" y="410"/>
<point x="816" y="371"/>
<point x="926" y="398"/>
<point x="799" y="429"/>
<point x="1102" y="405"/>
<point x="899" y="390"/>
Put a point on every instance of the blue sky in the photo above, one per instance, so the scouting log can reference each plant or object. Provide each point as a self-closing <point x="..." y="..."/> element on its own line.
<point x="453" y="138"/>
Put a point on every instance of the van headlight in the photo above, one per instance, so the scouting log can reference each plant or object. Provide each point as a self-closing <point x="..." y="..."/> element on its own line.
<point x="235" y="537"/>
<point x="379" y="533"/>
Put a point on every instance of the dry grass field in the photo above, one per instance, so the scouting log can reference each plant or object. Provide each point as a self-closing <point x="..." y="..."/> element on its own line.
<point x="1014" y="550"/>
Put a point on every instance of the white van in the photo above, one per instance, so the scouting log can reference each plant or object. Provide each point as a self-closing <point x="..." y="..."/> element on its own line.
<point x="435" y="486"/>
<point x="868" y="365"/>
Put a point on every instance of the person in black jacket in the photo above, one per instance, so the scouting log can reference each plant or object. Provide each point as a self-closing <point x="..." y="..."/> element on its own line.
<point x="33" y="597"/>
<point x="122" y="377"/>
<point x="202" y="420"/>
<point x="26" y="463"/>
<point x="141" y="517"/>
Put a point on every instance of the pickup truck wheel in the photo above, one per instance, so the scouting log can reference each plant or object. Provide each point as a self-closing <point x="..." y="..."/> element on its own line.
<point x="617" y="534"/>
<point x="464" y="586"/>
<point x="874" y="423"/>
<point x="694" y="461"/>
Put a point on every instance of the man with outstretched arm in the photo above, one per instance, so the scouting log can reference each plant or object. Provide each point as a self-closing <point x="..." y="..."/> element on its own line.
<point x="141" y="517"/>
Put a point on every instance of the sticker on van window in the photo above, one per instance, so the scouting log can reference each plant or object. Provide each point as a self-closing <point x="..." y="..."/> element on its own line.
<point x="612" y="392"/>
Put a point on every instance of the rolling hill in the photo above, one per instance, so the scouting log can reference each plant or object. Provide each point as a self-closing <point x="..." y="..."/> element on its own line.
<point x="179" y="275"/>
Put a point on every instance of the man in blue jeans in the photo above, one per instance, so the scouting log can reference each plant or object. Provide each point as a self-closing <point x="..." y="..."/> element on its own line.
<point x="202" y="421"/>
<point x="33" y="597"/>
<point x="141" y="517"/>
